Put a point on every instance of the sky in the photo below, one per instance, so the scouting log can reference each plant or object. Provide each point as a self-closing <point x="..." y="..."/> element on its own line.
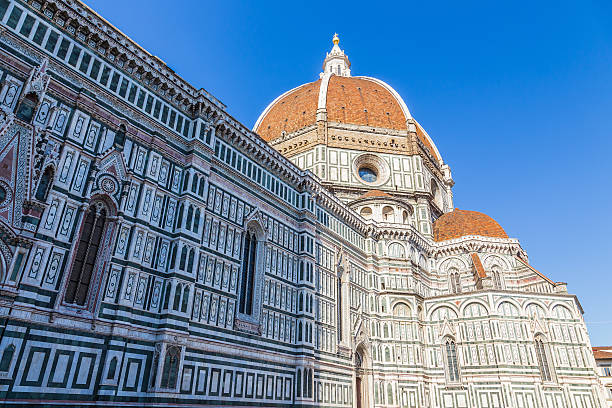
<point x="517" y="97"/>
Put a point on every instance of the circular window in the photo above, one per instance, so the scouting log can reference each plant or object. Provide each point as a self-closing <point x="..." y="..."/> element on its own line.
<point x="371" y="169"/>
<point x="367" y="174"/>
<point x="2" y="194"/>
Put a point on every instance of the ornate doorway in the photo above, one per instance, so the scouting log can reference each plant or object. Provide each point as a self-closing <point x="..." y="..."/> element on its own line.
<point x="361" y="392"/>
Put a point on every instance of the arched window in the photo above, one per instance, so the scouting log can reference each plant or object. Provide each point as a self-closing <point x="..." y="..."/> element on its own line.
<point x="387" y="354"/>
<point x="401" y="310"/>
<point x="298" y="383"/>
<point x="405" y="217"/>
<point x="387" y="214"/>
<point x="300" y="302"/>
<point x="171" y="367"/>
<point x="44" y="184"/>
<point x="300" y="330"/>
<point x="196" y="221"/>
<point x="497" y="279"/>
<point x="396" y="250"/>
<point x="186" y="181"/>
<point x="86" y="255"/>
<point x="27" y="107"/>
<point x="185" y="299"/>
<point x="189" y="217"/>
<point x="309" y="383"/>
<point x="179" y="219"/>
<point x="173" y="257"/>
<point x="183" y="258"/>
<point x="201" y="187"/>
<point x="366" y="212"/>
<point x="452" y="367"/>
<point x="7" y="358"/>
<point x="167" y="297"/>
<point x="112" y="368"/>
<point x="543" y="364"/>
<point x="190" y="261"/>
<point x="389" y="394"/>
<point x="247" y="286"/>
<point x="455" y="281"/>
<point x="177" y="297"/>
<point x="194" y="184"/>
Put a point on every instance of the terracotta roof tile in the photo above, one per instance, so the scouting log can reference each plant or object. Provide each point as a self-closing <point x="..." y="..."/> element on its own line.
<point x="350" y="100"/>
<point x="478" y="265"/>
<point x="459" y="223"/>
<point x="602" y="353"/>
<point x="292" y="112"/>
<point x="359" y="101"/>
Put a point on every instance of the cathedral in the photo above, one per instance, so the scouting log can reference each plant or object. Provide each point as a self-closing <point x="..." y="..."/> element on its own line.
<point x="154" y="251"/>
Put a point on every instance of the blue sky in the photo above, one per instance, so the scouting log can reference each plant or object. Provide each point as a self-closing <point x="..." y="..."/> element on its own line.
<point x="517" y="97"/>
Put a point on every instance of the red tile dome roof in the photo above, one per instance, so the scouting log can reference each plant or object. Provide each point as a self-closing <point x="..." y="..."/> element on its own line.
<point x="362" y="101"/>
<point x="459" y="223"/>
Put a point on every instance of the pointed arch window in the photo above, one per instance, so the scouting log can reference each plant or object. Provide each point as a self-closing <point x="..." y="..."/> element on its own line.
<point x="171" y="367"/>
<point x="7" y="358"/>
<point x="185" y="299"/>
<point x="196" y="221"/>
<point x="201" y="187"/>
<point x="186" y="182"/>
<point x="194" y="184"/>
<point x="189" y="217"/>
<point x="86" y="255"/>
<point x="497" y="279"/>
<point x="112" y="368"/>
<point x="27" y="107"/>
<point x="455" y="281"/>
<point x="167" y="297"/>
<point x="452" y="366"/>
<point x="183" y="261"/>
<point x="249" y="261"/>
<point x="298" y="383"/>
<point x="179" y="219"/>
<point x="43" y="185"/>
<point x="177" y="297"/>
<point x="190" y="261"/>
<point x="542" y="357"/>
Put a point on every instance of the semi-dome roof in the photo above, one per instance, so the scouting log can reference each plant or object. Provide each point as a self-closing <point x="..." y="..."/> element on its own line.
<point x="459" y="223"/>
<point x="339" y="98"/>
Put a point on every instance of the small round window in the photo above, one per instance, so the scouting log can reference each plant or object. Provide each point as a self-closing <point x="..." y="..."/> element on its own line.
<point x="2" y="195"/>
<point x="368" y="175"/>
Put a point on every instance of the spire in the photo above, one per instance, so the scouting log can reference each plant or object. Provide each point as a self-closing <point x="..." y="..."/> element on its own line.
<point x="336" y="62"/>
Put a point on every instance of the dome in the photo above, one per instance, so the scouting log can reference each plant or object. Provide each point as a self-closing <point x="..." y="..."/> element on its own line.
<point x="341" y="100"/>
<point x="361" y="101"/>
<point x="459" y="223"/>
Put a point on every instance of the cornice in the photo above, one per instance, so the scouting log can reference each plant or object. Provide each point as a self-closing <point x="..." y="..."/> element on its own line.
<point x="477" y="243"/>
<point x="108" y="41"/>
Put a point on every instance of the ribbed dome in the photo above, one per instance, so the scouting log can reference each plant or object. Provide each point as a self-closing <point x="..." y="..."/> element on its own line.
<point x="361" y="101"/>
<point x="460" y="223"/>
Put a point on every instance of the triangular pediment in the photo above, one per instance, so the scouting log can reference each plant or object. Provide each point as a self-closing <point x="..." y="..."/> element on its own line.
<point x="113" y="163"/>
<point x="447" y="329"/>
<point x="255" y="217"/>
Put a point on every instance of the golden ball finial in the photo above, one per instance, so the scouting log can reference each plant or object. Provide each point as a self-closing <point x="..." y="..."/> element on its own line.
<point x="336" y="39"/>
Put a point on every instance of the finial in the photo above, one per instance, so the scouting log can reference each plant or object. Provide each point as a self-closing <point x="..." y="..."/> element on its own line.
<point x="336" y="39"/>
